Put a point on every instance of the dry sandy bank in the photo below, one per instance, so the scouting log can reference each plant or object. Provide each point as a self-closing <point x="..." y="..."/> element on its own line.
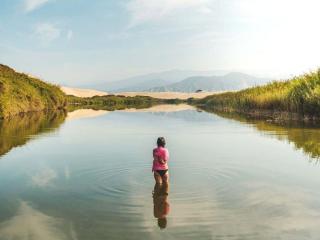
<point x="79" y="92"/>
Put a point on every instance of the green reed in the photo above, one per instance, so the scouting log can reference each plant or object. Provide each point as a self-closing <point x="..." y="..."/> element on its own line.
<point x="298" y="95"/>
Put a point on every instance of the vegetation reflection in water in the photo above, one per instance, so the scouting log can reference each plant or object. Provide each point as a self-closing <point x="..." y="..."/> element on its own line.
<point x="304" y="136"/>
<point x="18" y="130"/>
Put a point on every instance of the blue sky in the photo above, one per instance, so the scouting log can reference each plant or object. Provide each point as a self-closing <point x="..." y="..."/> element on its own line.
<point x="77" y="42"/>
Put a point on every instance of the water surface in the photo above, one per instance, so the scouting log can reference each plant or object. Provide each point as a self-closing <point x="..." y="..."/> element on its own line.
<point x="90" y="178"/>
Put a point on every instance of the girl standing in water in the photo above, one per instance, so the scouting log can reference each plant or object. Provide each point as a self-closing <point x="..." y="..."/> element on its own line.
<point x="160" y="159"/>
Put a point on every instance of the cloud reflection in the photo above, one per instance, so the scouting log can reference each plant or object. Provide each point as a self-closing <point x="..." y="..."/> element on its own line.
<point x="67" y="172"/>
<point x="31" y="224"/>
<point x="287" y="212"/>
<point x="44" y="178"/>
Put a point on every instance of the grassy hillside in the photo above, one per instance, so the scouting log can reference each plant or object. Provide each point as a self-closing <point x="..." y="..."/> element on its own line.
<point x="300" y="95"/>
<point x="22" y="93"/>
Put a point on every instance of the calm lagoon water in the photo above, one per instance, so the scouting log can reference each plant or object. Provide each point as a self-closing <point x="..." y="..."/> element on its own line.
<point x="90" y="178"/>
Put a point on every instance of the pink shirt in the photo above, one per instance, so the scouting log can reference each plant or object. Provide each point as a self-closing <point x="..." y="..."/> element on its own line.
<point x="160" y="153"/>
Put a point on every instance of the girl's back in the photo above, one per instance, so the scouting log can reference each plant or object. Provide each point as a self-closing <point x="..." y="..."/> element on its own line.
<point x="161" y="157"/>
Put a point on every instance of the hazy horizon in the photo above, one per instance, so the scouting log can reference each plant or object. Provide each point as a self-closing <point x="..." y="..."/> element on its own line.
<point x="77" y="43"/>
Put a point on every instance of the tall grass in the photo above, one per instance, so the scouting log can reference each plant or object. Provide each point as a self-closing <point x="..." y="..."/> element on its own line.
<point x="299" y="95"/>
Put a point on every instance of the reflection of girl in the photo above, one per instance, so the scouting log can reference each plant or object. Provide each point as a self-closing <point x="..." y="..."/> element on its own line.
<point x="160" y="159"/>
<point x="161" y="205"/>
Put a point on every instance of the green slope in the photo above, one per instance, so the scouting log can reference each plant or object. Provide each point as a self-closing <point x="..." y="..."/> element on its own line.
<point x="20" y="93"/>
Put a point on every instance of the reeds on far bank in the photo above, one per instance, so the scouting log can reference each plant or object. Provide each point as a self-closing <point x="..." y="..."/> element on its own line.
<point x="299" y="95"/>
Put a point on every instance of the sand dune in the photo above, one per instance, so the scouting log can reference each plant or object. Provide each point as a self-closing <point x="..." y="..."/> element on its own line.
<point x="79" y="92"/>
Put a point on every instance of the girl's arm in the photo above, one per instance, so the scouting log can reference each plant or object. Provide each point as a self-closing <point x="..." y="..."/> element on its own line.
<point x="161" y="160"/>
<point x="154" y="159"/>
<point x="164" y="157"/>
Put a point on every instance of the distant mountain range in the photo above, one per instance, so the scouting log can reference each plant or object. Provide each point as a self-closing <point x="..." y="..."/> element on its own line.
<point x="184" y="81"/>
<point x="153" y="80"/>
<point x="228" y="82"/>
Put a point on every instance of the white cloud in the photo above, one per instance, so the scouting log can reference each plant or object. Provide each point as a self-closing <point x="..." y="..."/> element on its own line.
<point x="150" y="10"/>
<point x="31" y="5"/>
<point x="47" y="32"/>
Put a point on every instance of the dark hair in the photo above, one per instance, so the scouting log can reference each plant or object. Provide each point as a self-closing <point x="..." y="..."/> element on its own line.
<point x="161" y="142"/>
